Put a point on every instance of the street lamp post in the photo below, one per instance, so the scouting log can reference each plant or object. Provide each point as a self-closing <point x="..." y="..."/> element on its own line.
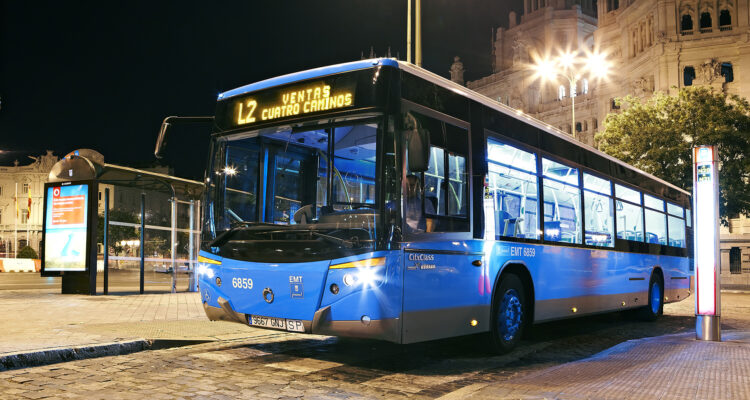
<point x="571" y="67"/>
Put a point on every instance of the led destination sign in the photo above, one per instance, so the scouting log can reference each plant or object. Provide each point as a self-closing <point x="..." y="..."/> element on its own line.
<point x="293" y="102"/>
<point x="356" y="89"/>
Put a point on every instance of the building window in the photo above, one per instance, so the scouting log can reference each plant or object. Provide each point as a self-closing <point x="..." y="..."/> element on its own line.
<point x="1" y="191"/>
<point x="705" y="22"/>
<point x="688" y="75"/>
<point x="1" y="217"/>
<point x="735" y="263"/>
<point x="613" y="5"/>
<point x="24" y="216"/>
<point x="686" y="26"/>
<point x="25" y="188"/>
<point x="585" y="86"/>
<point x="579" y="127"/>
<point x="727" y="72"/>
<point x="614" y="104"/>
<point x="585" y="126"/>
<point x="595" y="123"/>
<point x="725" y="21"/>
<point x="561" y="92"/>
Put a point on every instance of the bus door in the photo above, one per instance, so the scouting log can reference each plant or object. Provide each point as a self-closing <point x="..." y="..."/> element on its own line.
<point x="444" y="286"/>
<point x="445" y="289"/>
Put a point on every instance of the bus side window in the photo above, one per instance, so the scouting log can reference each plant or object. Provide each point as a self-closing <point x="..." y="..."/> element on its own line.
<point x="656" y="222"/>
<point x="562" y="203"/>
<point x="598" y="211"/>
<point x="514" y="190"/>
<point x="629" y="214"/>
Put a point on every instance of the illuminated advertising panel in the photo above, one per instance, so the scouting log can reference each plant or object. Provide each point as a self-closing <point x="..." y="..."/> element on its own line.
<point x="65" y="224"/>
<point x="705" y="196"/>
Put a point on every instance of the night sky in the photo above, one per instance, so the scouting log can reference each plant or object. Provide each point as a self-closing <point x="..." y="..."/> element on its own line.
<point x="104" y="76"/>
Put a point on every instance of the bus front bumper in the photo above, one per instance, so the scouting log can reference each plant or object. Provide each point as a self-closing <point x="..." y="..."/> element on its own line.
<point x="383" y="329"/>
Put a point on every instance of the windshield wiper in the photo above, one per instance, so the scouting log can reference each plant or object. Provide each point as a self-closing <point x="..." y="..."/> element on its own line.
<point x="237" y="225"/>
<point x="349" y="244"/>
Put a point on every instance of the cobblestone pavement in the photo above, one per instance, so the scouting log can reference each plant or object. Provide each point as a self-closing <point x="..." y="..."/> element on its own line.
<point x="36" y="320"/>
<point x="286" y="365"/>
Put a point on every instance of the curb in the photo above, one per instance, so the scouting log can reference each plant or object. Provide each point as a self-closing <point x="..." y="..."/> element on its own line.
<point x="18" y="360"/>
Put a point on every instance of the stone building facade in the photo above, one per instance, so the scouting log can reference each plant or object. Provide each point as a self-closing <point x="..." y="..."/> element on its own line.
<point x="28" y="178"/>
<point x="546" y="28"/>
<point x="652" y="45"/>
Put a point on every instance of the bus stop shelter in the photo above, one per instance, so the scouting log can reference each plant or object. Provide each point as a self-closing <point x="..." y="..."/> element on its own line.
<point x="144" y="232"/>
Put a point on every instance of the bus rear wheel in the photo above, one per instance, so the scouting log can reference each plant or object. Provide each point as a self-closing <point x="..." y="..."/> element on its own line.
<point x="509" y="314"/>
<point x="655" y="306"/>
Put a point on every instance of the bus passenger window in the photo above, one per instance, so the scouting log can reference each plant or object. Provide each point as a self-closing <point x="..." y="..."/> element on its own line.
<point x="514" y="192"/>
<point x="676" y="231"/>
<point x="598" y="211"/>
<point x="653" y="202"/>
<point x="562" y="203"/>
<point x="629" y="221"/>
<point x="656" y="227"/>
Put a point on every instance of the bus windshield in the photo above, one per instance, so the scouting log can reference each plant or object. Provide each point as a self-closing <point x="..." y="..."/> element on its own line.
<point x="296" y="192"/>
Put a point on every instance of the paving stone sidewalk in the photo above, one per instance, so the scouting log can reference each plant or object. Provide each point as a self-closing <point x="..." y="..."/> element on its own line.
<point x="40" y="320"/>
<point x="670" y="367"/>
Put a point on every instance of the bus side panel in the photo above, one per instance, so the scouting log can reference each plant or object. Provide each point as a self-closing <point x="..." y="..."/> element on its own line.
<point x="571" y="281"/>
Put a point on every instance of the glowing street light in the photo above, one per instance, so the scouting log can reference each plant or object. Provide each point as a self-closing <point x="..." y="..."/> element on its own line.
<point x="572" y="67"/>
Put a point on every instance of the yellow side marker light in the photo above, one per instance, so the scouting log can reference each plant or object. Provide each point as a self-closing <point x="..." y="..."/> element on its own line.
<point x="474" y="322"/>
<point x="205" y="260"/>
<point x="574" y="309"/>
<point x="370" y="262"/>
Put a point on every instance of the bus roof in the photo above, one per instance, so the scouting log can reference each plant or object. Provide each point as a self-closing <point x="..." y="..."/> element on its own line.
<point x="438" y="80"/>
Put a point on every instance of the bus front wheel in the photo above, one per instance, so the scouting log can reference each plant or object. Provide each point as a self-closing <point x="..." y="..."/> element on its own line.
<point x="509" y="314"/>
<point x="655" y="306"/>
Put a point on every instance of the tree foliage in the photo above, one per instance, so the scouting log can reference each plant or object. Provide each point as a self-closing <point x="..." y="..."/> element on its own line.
<point x="657" y="136"/>
<point x="27" y="252"/>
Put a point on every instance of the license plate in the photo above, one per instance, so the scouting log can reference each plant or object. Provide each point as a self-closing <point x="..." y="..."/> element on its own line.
<point x="293" y="325"/>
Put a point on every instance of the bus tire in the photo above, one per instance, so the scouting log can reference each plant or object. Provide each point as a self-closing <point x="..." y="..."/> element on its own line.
<point x="509" y="314"/>
<point x="655" y="306"/>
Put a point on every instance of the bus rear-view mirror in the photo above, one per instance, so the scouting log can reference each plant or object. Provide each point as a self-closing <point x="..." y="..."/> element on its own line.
<point x="417" y="144"/>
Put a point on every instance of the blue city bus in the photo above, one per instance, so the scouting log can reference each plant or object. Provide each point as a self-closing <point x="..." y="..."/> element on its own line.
<point x="375" y="199"/>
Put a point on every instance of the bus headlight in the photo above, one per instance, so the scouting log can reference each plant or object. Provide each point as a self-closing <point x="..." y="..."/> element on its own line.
<point x="205" y="270"/>
<point x="349" y="279"/>
<point x="367" y="272"/>
<point x="368" y="277"/>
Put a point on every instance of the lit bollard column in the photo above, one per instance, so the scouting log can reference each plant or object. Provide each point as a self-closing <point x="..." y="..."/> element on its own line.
<point x="191" y="249"/>
<point x="706" y="214"/>
<point x="173" y="240"/>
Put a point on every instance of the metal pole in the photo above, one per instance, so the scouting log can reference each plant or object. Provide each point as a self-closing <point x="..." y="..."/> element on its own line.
<point x="191" y="249"/>
<point x="418" y="27"/>
<point x="408" y="31"/>
<point x="173" y="239"/>
<point x="106" y="241"/>
<point x="143" y="238"/>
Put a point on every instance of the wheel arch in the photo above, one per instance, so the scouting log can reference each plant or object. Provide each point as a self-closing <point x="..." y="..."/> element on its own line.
<point x="657" y="270"/>
<point x="519" y="269"/>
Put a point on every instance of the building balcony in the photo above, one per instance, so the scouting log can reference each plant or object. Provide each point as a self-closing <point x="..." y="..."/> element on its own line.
<point x="686" y="33"/>
<point x="725" y="28"/>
